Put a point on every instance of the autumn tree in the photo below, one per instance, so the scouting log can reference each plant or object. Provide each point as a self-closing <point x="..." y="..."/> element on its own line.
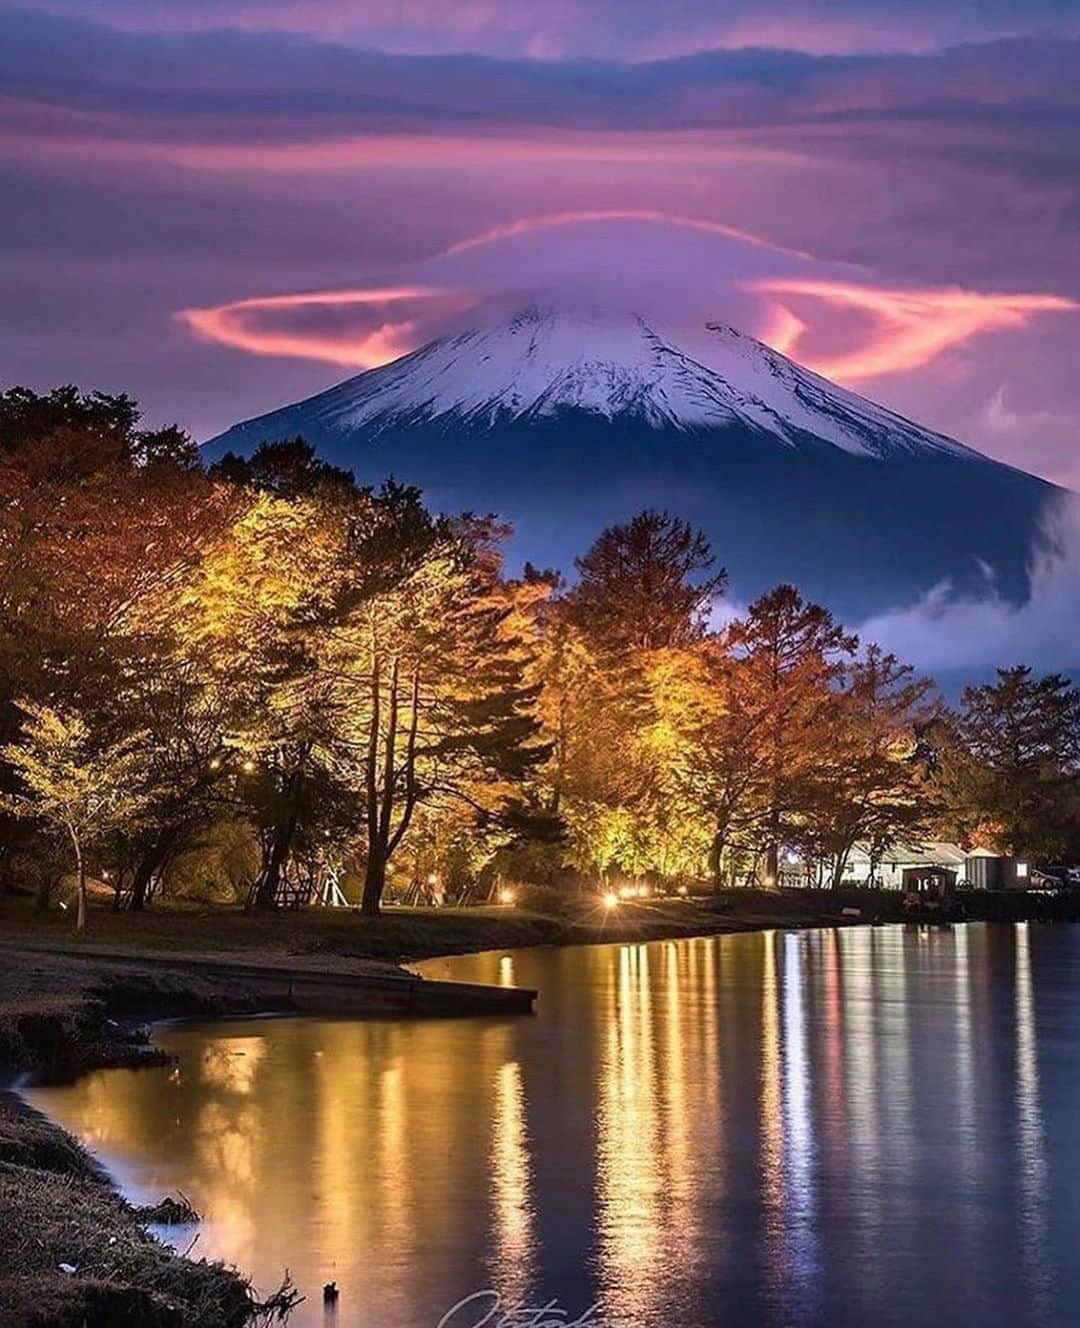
<point x="793" y="656"/>
<point x="437" y="678"/>
<point x="263" y="607"/>
<point x="875" y="790"/>
<point x="713" y="717"/>
<point x="644" y="588"/>
<point x="101" y="522"/>
<point x="73" y="784"/>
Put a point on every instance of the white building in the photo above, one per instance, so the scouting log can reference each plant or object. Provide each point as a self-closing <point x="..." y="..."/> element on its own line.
<point x="889" y="868"/>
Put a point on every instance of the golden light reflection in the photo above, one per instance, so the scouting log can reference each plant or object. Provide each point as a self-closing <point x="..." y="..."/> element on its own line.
<point x="228" y="1139"/>
<point x="232" y="1062"/>
<point x="773" y="1180"/>
<point x="735" y="1107"/>
<point x="511" y="1185"/>
<point x="628" y="1171"/>
<point x="334" y="1157"/>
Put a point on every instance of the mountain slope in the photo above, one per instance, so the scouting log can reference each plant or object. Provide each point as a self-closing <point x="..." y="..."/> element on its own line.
<point x="563" y="423"/>
<point x="540" y="362"/>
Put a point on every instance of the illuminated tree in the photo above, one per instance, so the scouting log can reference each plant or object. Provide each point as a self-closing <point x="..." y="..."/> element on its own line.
<point x="73" y="784"/>
<point x="645" y="588"/>
<point x="437" y="681"/>
<point x="262" y="608"/>
<point x="792" y="657"/>
<point x="713" y="716"/>
<point x="874" y="788"/>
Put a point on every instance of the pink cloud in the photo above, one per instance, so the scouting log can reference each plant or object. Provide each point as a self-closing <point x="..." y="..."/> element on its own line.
<point x="910" y="328"/>
<point x="394" y="317"/>
<point x="882" y="329"/>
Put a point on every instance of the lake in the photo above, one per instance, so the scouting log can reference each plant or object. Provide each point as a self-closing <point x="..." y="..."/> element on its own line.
<point x="866" y="1127"/>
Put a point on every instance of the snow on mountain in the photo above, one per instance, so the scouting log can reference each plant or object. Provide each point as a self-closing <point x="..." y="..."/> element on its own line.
<point x="564" y="422"/>
<point x="542" y="362"/>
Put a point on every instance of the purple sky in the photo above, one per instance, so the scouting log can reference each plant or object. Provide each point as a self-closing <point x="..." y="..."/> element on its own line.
<point x="895" y="203"/>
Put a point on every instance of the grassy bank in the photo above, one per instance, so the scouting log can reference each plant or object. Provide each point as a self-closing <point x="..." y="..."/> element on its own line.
<point x="72" y="1251"/>
<point x="60" y="1214"/>
<point x="402" y="934"/>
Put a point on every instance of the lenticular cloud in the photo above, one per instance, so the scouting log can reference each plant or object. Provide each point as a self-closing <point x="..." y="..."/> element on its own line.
<point x="838" y="319"/>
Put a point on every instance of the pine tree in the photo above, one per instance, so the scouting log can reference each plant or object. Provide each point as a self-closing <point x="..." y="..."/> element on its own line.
<point x="794" y="655"/>
<point x="1010" y="762"/>
<point x="645" y="585"/>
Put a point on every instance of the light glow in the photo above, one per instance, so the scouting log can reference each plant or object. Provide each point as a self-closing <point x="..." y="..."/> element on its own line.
<point x="909" y="327"/>
<point x="237" y="325"/>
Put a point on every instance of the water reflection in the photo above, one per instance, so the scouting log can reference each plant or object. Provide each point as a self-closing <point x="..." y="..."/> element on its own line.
<point x="1031" y="1155"/>
<point x="629" y="1144"/>
<point x="513" y="1238"/>
<point x="826" y="1130"/>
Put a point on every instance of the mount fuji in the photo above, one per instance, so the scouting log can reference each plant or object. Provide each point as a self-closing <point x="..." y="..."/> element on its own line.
<point x="565" y="422"/>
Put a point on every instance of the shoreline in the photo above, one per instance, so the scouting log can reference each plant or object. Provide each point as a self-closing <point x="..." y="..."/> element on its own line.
<point x="73" y="1249"/>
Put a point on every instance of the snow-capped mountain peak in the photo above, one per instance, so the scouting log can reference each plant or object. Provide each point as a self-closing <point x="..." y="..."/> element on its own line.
<point x="541" y="362"/>
<point x="564" y="422"/>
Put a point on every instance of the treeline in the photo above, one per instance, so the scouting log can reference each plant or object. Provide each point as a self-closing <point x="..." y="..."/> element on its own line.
<point x="229" y="682"/>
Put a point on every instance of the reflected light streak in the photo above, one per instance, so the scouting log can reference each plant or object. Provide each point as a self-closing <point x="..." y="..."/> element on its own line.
<point x="396" y="1160"/>
<point x="965" y="1058"/>
<point x="333" y="1157"/>
<point x="628" y="1170"/>
<point x="1032" y="1159"/>
<point x="773" y="1181"/>
<point x="511" y="1184"/>
<point x="799" y="1133"/>
<point x="860" y="1046"/>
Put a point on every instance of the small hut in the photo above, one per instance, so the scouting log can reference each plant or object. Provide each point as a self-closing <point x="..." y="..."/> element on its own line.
<point x="929" y="890"/>
<point x="994" y="871"/>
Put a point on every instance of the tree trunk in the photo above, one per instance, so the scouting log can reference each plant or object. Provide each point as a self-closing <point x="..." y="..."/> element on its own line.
<point x="80" y="912"/>
<point x="840" y="865"/>
<point x="140" y="884"/>
<point x="374" y="884"/>
<point x="716" y="860"/>
<point x="772" y="865"/>
<point x="148" y="865"/>
<point x="385" y="779"/>
<point x="284" y="833"/>
<point x="266" y="892"/>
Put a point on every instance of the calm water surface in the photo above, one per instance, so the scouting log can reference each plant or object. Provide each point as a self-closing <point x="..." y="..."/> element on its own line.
<point x="869" y="1127"/>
